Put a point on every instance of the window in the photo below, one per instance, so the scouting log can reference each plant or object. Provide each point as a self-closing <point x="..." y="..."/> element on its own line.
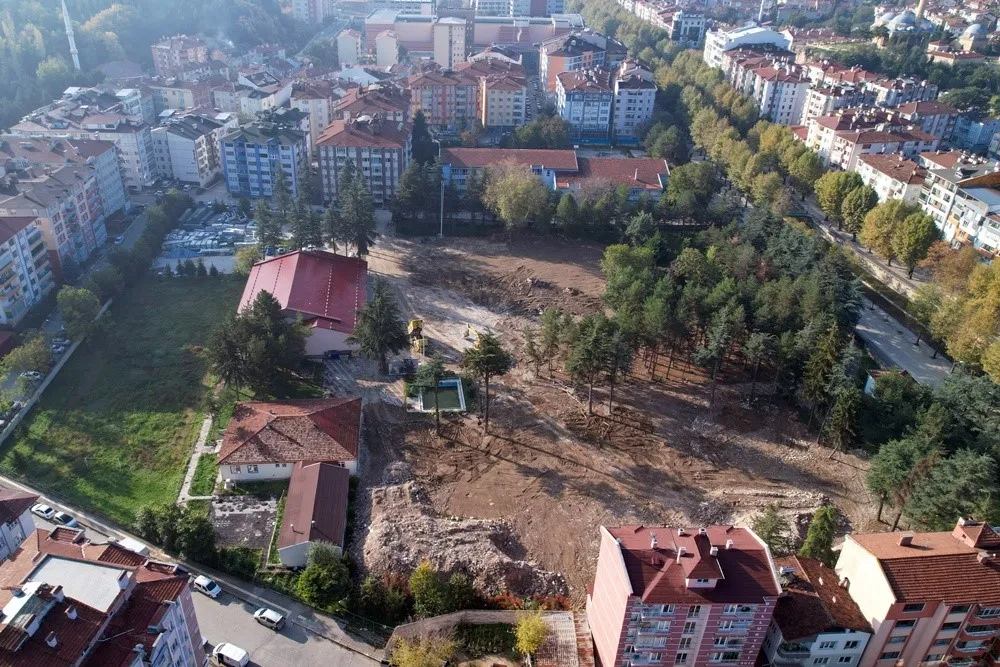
<point x="845" y="660"/>
<point x="941" y="642"/>
<point x="681" y="659"/>
<point x="950" y="626"/>
<point x="905" y="624"/>
<point x="959" y="609"/>
<point x="827" y="645"/>
<point x="689" y="628"/>
<point x="933" y="657"/>
<point x="695" y="610"/>
<point x="896" y="639"/>
<point x="889" y="655"/>
<point x="251" y="468"/>
<point x="850" y="644"/>
<point x="913" y="608"/>
<point x="821" y="661"/>
<point x="235" y="470"/>
<point x="685" y="642"/>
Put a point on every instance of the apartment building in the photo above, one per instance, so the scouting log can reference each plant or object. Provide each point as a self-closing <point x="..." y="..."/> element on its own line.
<point x="16" y="522"/>
<point x="932" y="598"/>
<point x="386" y="49"/>
<point x="449" y="41"/>
<point x="349" y="47"/>
<point x="686" y="26"/>
<point x="585" y="100"/>
<point x="719" y="41"/>
<point x="187" y="148"/>
<point x="25" y="269"/>
<point x="892" y="176"/>
<point x="825" y="100"/>
<point x="503" y="92"/>
<point x="176" y="94"/>
<point x="896" y="92"/>
<point x="66" y="201"/>
<point x="72" y="602"/>
<point x="932" y="117"/>
<point x="388" y="101"/>
<point x="822" y="130"/>
<point x="380" y="150"/>
<point x="575" y="52"/>
<point x="312" y="12"/>
<point x="635" y="99"/>
<point x="253" y="154"/>
<point x="945" y="172"/>
<point x="315" y="97"/>
<point x="777" y="85"/>
<point x="90" y="113"/>
<point x="54" y="153"/>
<point x="975" y="214"/>
<point x="448" y="99"/>
<point x="815" y="622"/>
<point x="850" y="145"/>
<point x="974" y="132"/>
<point x="173" y="55"/>
<point x="681" y="596"/>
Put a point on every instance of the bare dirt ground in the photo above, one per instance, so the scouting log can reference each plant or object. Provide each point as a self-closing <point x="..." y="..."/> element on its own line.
<point x="552" y="472"/>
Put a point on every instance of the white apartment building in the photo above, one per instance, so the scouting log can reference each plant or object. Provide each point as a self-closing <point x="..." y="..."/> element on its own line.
<point x="635" y="98"/>
<point x="312" y="12"/>
<point x="975" y="214"/>
<point x="16" y="522"/>
<point x="585" y="100"/>
<point x="850" y="145"/>
<point x="315" y="98"/>
<point x="780" y="94"/>
<point x="187" y="148"/>
<point x="349" y="51"/>
<point x="895" y="92"/>
<point x="824" y="100"/>
<point x="815" y="622"/>
<point x="25" y="271"/>
<point x="717" y="42"/>
<point x="945" y="173"/>
<point x="386" y="48"/>
<point x="892" y="176"/>
<point x="449" y="41"/>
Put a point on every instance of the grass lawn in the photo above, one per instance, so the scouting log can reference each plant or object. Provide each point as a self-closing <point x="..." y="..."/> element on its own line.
<point x="203" y="482"/>
<point x="114" y="430"/>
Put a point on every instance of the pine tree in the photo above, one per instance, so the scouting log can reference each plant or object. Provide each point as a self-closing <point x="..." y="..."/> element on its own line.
<point x="487" y="359"/>
<point x="840" y="428"/>
<point x="819" y="539"/>
<point x="818" y="369"/>
<point x="357" y="211"/>
<point x="281" y="195"/>
<point x="531" y="350"/>
<point x="268" y="229"/>
<point x="380" y="329"/>
<point x="332" y="227"/>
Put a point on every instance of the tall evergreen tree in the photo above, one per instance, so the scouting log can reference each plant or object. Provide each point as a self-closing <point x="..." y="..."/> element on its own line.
<point x="380" y="329"/>
<point x="268" y="228"/>
<point x="357" y="211"/>
<point x="282" y="195"/>
<point x="487" y="359"/>
<point x="819" y="539"/>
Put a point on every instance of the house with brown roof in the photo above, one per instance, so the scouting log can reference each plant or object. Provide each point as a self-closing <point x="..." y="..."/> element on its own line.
<point x="681" y="596"/>
<point x="931" y="598"/>
<point x="16" y="522"/>
<point x="324" y="289"/>
<point x="815" y="621"/>
<point x="264" y="440"/>
<point x="385" y="142"/>
<point x="315" y="511"/>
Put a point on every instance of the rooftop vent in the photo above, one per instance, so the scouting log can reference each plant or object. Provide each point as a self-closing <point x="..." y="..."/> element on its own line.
<point x="51" y="640"/>
<point x="714" y="551"/>
<point x="906" y="539"/>
<point x="652" y="540"/>
<point x="729" y="544"/>
<point x="680" y="552"/>
<point x="71" y="613"/>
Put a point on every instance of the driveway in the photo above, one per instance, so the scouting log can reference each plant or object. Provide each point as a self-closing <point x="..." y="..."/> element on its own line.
<point x="228" y="619"/>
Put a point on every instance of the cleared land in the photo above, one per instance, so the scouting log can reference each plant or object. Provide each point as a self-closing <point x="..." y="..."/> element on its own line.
<point x="552" y="471"/>
<point x="114" y="430"/>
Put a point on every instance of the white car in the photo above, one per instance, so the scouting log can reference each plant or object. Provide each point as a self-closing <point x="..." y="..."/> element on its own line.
<point x="65" y="519"/>
<point x="43" y="511"/>
<point x="230" y="655"/>
<point x="32" y="375"/>
<point x="269" y="618"/>
<point x="207" y="586"/>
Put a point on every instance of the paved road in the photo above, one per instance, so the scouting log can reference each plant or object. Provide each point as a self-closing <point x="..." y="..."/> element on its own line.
<point x="229" y="619"/>
<point x="893" y="344"/>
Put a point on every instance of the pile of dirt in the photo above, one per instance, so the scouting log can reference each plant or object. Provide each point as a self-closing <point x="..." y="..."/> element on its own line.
<point x="405" y="530"/>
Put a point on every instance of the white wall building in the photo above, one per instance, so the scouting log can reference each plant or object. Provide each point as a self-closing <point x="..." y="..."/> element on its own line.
<point x="635" y="98"/>
<point x="717" y="42"/>
<point x="349" y="50"/>
<point x="16" y="522"/>
<point x="187" y="148"/>
<point x="892" y="176"/>
<point x="449" y="41"/>
<point x="386" y="48"/>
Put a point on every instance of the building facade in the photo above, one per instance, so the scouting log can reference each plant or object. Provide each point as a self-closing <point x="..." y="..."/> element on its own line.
<point x="675" y="596"/>
<point x="449" y="41"/>
<point x="253" y="154"/>
<point x="379" y="149"/>
<point x="577" y="51"/>
<point x="718" y="42"/>
<point x="892" y="176"/>
<point x="187" y="149"/>
<point x="635" y="99"/>
<point x="25" y="270"/>
<point x="448" y="99"/>
<point x="349" y="47"/>
<point x="175" y="54"/>
<point x="585" y="100"/>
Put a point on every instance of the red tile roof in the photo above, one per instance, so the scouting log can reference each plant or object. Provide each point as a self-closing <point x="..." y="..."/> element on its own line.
<point x="479" y="158"/>
<point x="11" y="225"/>
<point x="316" y="506"/>
<point x="14" y="503"/>
<point x="813" y="601"/>
<point x="321" y="429"/>
<point x="72" y="635"/>
<point x="593" y="81"/>
<point x="927" y="108"/>
<point x="896" y="167"/>
<point x="374" y="134"/>
<point x="647" y="173"/>
<point x="314" y="283"/>
<point x="943" y="159"/>
<point x="658" y="574"/>
<point x="370" y="100"/>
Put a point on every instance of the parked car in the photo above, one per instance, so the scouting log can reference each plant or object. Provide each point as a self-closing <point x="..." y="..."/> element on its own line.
<point x="269" y="618"/>
<point x="119" y="239"/>
<point x="43" y="511"/>
<point x="65" y="342"/>
<point x="230" y="655"/>
<point x="32" y="375"/>
<point x="16" y="407"/>
<point x="58" y="349"/>
<point x="65" y="519"/>
<point x="207" y="586"/>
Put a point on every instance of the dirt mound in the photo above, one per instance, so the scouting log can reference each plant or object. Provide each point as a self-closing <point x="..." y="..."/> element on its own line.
<point x="405" y="530"/>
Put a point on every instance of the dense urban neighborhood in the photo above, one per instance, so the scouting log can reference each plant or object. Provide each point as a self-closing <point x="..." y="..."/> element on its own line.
<point x="559" y="333"/>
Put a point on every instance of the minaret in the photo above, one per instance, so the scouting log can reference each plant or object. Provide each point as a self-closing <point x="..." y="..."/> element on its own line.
<point x="69" y="35"/>
<point x="920" y="12"/>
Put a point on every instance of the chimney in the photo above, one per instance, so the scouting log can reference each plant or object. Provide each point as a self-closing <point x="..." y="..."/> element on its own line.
<point x="71" y="613"/>
<point x="714" y="551"/>
<point x="702" y="531"/>
<point x="984" y="557"/>
<point x="51" y="640"/>
<point x="729" y="544"/>
<point x="652" y="540"/>
<point x="680" y="532"/>
<point x="906" y="539"/>
<point x="680" y="552"/>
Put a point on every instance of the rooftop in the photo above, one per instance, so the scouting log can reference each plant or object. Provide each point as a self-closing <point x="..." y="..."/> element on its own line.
<point x="646" y="173"/>
<point x="319" y="429"/>
<point x="479" y="158"/>
<point x="316" y="506"/>
<point x="14" y="503"/>
<point x="586" y="81"/>
<point x="813" y="601"/>
<point x="366" y="132"/>
<point x="896" y="167"/>
<point x="94" y="584"/>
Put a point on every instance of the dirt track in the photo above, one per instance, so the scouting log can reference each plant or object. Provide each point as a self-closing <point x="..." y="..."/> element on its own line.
<point x="554" y="472"/>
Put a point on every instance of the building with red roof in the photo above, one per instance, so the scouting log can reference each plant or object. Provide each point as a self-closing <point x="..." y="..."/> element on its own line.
<point x="681" y="596"/>
<point x="16" y="522"/>
<point x="323" y="288"/>
<point x="315" y="511"/>
<point x="640" y="175"/>
<point x="386" y="142"/>
<point x="931" y="598"/>
<point x="264" y="440"/>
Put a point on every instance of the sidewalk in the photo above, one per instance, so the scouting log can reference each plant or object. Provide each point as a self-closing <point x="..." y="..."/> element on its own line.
<point x="199" y="449"/>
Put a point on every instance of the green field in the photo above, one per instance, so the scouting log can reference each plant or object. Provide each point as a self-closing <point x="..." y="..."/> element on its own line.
<point x="114" y="430"/>
<point x="203" y="482"/>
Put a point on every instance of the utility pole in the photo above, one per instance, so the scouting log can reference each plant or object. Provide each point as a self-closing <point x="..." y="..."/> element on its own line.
<point x="69" y="35"/>
<point x="441" y="184"/>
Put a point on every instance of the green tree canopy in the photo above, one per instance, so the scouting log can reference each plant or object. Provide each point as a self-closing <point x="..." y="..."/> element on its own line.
<point x="380" y="329"/>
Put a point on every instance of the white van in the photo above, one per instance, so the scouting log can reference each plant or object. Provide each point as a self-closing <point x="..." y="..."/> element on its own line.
<point x="230" y="655"/>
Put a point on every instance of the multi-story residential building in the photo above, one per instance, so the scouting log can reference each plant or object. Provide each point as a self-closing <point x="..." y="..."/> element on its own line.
<point x="175" y="54"/>
<point x="450" y="41"/>
<point x="316" y="98"/>
<point x="253" y="154"/>
<point x="815" y="622"/>
<point x="187" y="148"/>
<point x="892" y="176"/>
<point x="174" y="94"/>
<point x="16" y="522"/>
<point x="54" y="153"/>
<point x="780" y="94"/>
<point x="822" y="130"/>
<point x="932" y="117"/>
<point x="974" y="132"/>
<point x="717" y="42"/>
<point x="349" y="47"/>
<point x="448" y="99"/>
<point x="932" y="598"/>
<point x="635" y="97"/>
<point x="67" y="203"/>
<point x="379" y="149"/>
<point x="850" y="145"/>
<point x="312" y="12"/>
<point x="502" y="95"/>
<point x="895" y="92"/>
<point x="975" y="214"/>
<point x="824" y="100"/>
<point x="93" y="114"/>
<point x="390" y="102"/>
<point x="585" y="100"/>
<point x="386" y="48"/>
<point x="681" y="596"/>
<point x="945" y="173"/>
<point x="25" y="270"/>
<point x="575" y="52"/>
<point x="71" y="602"/>
<point x="686" y="26"/>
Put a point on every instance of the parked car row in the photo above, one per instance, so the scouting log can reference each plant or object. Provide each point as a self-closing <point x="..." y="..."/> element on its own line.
<point x="55" y="516"/>
<point x="225" y="653"/>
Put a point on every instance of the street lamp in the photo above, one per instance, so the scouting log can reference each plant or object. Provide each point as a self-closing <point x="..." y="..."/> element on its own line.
<point x="441" y="167"/>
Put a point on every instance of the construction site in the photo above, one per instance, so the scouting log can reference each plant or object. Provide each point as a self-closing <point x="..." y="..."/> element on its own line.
<point x="519" y="508"/>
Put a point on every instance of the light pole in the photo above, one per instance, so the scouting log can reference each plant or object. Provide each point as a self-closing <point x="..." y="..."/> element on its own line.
<point x="441" y="167"/>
